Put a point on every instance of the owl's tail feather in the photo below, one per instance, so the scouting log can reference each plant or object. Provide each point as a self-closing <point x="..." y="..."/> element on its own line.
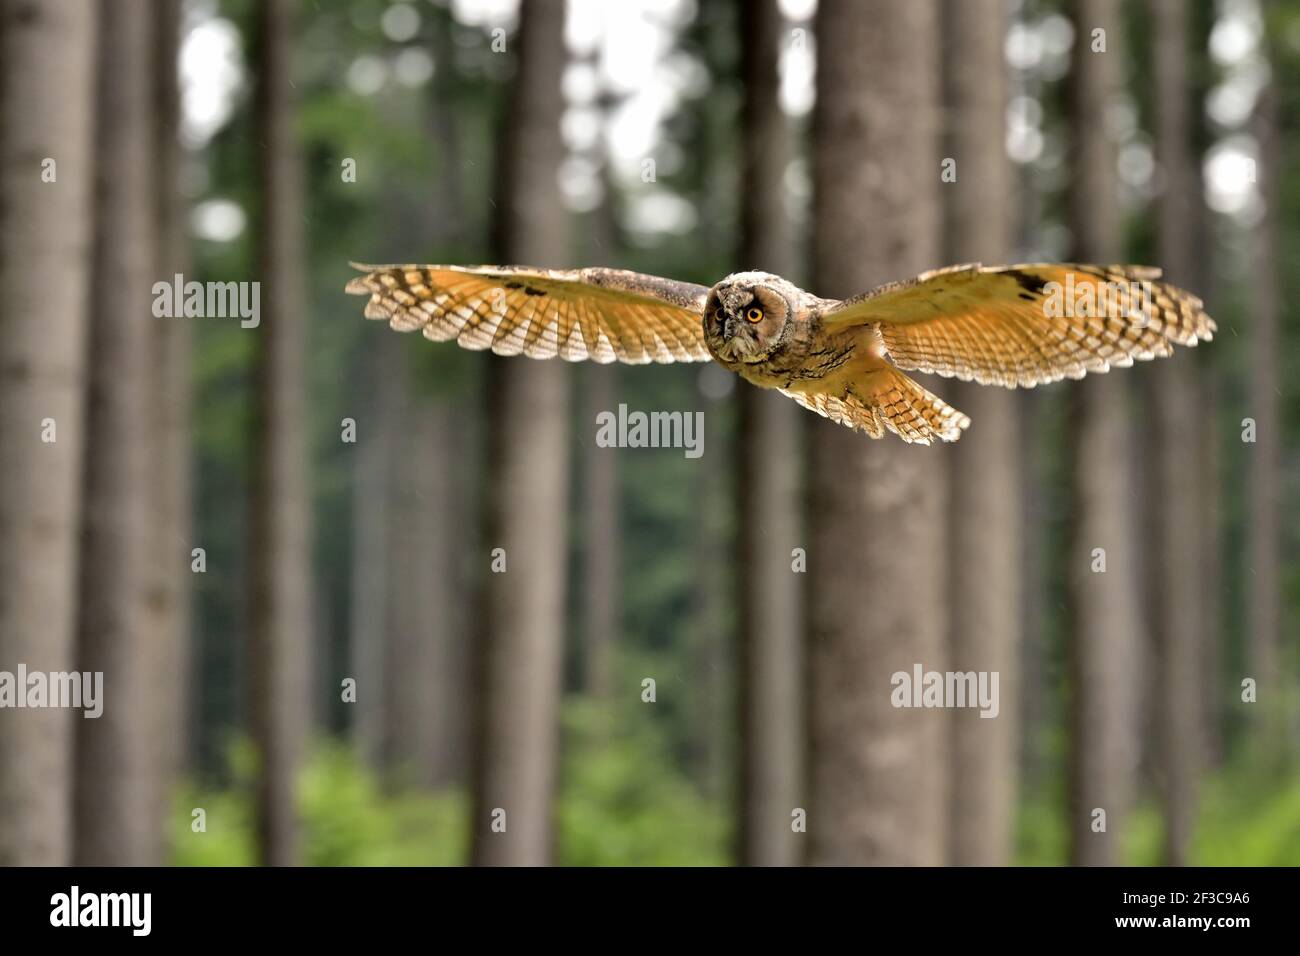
<point x="887" y="399"/>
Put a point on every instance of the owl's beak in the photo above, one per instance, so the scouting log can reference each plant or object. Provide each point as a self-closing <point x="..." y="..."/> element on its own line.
<point x="728" y="327"/>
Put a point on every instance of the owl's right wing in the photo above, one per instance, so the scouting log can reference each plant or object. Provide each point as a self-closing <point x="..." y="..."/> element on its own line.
<point x="605" y="315"/>
<point x="1025" y="325"/>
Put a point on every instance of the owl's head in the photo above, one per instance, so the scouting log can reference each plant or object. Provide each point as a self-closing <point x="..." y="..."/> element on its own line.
<point x="748" y="316"/>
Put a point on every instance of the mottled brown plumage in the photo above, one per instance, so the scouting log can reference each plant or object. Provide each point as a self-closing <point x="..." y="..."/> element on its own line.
<point x="1015" y="326"/>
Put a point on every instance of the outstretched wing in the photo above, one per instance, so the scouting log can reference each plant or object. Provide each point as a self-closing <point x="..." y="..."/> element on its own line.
<point x="1028" y="324"/>
<point x="605" y="315"/>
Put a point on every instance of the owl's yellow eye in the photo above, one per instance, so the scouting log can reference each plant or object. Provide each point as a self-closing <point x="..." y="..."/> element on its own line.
<point x="754" y="314"/>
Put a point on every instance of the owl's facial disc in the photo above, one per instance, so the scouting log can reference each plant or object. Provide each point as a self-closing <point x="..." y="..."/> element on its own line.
<point x="743" y="323"/>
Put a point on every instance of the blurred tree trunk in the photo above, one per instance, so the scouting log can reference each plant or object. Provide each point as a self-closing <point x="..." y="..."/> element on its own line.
<point x="769" y="450"/>
<point x="415" y="658"/>
<point x="602" y="587"/>
<point x="457" y="440"/>
<point x="445" y="440"/>
<point x="984" y="557"/>
<point x="1264" y="582"/>
<point x="1211" y="493"/>
<point x="1104" y="621"/>
<point x="279" y="669"/>
<point x="602" y="562"/>
<point x="423" y="591"/>
<point x="408" y="615"/>
<point x="111" y="811"/>
<point x="876" y="560"/>
<point x="1177" y="545"/>
<point x="46" y="94"/>
<point x="449" y="225"/>
<point x="166" y="625"/>
<point x="371" y="560"/>
<point x="522" y="642"/>
<point x="413" y="634"/>
<point x="712" y="645"/>
<point x="1038" y="448"/>
<point x="1210" y="489"/>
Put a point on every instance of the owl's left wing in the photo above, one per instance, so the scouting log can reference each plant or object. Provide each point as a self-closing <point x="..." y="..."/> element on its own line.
<point x="605" y="315"/>
<point x="1025" y="325"/>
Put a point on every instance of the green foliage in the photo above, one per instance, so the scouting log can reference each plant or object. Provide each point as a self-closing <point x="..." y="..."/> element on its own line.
<point x="1242" y="824"/>
<point x="347" y="819"/>
<point x="625" y="804"/>
<point x="228" y="840"/>
<point x="1247" y="816"/>
<point x="1041" y="835"/>
<point x="350" y="822"/>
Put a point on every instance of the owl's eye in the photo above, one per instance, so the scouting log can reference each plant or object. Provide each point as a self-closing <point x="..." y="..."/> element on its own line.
<point x="754" y="314"/>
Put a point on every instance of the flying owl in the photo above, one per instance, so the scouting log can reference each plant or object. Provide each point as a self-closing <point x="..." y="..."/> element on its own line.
<point x="1014" y="326"/>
